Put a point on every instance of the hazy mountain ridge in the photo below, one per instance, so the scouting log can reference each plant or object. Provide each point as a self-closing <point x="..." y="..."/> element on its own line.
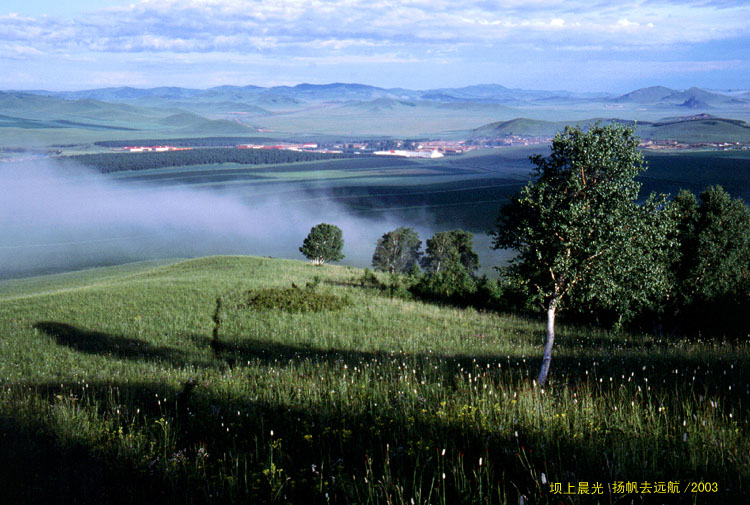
<point x="358" y="110"/>
<point x="342" y="92"/>
<point x="33" y="111"/>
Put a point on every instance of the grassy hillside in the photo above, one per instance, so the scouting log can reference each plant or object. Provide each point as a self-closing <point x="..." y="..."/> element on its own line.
<point x="165" y="383"/>
<point x="691" y="129"/>
<point x="701" y="128"/>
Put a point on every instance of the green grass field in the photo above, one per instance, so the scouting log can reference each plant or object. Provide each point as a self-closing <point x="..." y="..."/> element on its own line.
<point x="161" y="383"/>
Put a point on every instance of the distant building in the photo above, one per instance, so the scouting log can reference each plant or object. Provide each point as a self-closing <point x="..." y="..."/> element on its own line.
<point x="147" y="149"/>
<point x="410" y="154"/>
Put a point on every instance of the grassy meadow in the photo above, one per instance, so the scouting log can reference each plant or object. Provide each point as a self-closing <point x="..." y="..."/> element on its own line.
<point x="178" y="383"/>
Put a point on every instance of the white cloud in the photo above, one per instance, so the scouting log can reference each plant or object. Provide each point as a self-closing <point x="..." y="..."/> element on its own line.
<point x="330" y="32"/>
<point x="15" y="51"/>
<point x="208" y="25"/>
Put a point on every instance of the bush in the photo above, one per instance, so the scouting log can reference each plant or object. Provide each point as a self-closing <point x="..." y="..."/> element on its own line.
<point x="398" y="286"/>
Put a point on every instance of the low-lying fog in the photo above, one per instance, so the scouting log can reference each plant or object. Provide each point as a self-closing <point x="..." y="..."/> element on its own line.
<point x="55" y="218"/>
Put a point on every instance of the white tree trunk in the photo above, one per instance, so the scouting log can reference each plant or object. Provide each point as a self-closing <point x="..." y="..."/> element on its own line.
<point x="551" y="309"/>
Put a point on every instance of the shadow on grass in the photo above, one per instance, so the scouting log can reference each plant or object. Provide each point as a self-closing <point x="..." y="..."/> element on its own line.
<point x="34" y="470"/>
<point x="104" y="344"/>
<point x="402" y="451"/>
<point x="577" y="360"/>
<point x="599" y="367"/>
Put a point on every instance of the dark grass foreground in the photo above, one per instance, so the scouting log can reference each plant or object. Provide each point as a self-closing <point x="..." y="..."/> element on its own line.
<point x="142" y="389"/>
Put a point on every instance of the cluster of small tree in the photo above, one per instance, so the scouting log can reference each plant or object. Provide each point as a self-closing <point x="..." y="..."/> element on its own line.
<point x="116" y="162"/>
<point x="585" y="241"/>
<point x="448" y="270"/>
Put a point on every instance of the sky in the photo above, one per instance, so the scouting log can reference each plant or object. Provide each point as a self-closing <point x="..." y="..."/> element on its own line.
<point x="575" y="45"/>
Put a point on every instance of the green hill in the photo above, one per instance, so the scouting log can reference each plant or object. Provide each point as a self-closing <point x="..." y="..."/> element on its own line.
<point x="61" y="121"/>
<point x="177" y="383"/>
<point x="519" y="126"/>
<point x="49" y="108"/>
<point x="696" y="129"/>
<point x="692" y="129"/>
<point x="652" y="94"/>
<point x="534" y="127"/>
<point x="187" y="122"/>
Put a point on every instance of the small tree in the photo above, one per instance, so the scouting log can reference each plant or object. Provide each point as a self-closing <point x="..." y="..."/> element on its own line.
<point x="323" y="243"/>
<point x="580" y="234"/>
<point x="447" y="248"/>
<point x="397" y="251"/>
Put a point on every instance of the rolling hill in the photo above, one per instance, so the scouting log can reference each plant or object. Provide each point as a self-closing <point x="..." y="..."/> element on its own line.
<point x="698" y="128"/>
<point x="691" y="129"/>
<point x="193" y="123"/>
<point x="534" y="127"/>
<point x="652" y="94"/>
<point x="695" y="98"/>
<point x="344" y="109"/>
<point x="38" y="112"/>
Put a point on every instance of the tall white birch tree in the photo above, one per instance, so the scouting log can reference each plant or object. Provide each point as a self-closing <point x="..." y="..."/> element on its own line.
<point x="579" y="231"/>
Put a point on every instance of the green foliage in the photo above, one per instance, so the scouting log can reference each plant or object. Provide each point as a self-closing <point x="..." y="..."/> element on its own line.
<point x="323" y="244"/>
<point x="711" y="267"/>
<point x="451" y="284"/>
<point x="394" y="285"/>
<point x="581" y="235"/>
<point x="449" y="250"/>
<point x="449" y="263"/>
<point x="715" y="244"/>
<point x="579" y="231"/>
<point x="397" y="251"/>
<point x="294" y="299"/>
<point x="369" y="279"/>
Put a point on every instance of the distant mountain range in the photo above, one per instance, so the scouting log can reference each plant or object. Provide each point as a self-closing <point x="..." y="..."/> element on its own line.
<point x="284" y="97"/>
<point x="693" y="98"/>
<point x="358" y="110"/>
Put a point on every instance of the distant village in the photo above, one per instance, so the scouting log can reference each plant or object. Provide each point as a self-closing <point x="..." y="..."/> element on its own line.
<point x="404" y="148"/>
<point x="434" y="148"/>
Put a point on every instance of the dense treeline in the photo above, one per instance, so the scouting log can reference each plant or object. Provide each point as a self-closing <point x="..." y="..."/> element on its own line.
<point x="188" y="142"/>
<point x="117" y="162"/>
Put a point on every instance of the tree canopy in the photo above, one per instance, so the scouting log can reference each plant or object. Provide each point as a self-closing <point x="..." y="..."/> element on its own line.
<point x="448" y="248"/>
<point x="324" y="243"/>
<point x="711" y="266"/>
<point x="397" y="251"/>
<point x="581" y="236"/>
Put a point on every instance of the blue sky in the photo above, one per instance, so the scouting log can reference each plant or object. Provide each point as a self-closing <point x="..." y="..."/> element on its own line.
<point x="578" y="45"/>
